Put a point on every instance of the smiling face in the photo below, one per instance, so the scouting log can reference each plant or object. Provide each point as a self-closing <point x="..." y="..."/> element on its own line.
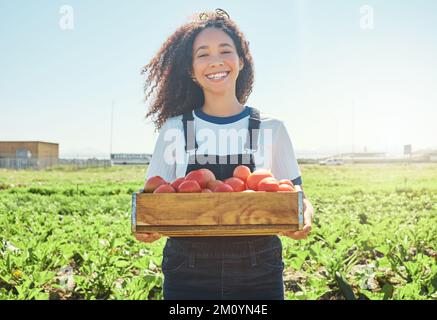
<point x="216" y="63"/>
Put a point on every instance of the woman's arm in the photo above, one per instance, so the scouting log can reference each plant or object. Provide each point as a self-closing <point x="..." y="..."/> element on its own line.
<point x="163" y="162"/>
<point x="147" y="237"/>
<point x="285" y="166"/>
<point x="308" y="220"/>
<point x="161" y="165"/>
<point x="284" y="161"/>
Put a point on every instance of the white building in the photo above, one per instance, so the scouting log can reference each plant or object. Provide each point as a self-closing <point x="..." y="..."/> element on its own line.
<point x="130" y="158"/>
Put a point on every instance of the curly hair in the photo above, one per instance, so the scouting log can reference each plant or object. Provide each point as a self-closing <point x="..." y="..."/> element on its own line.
<point x="169" y="72"/>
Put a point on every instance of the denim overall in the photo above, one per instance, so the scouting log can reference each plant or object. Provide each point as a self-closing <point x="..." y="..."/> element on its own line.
<point x="216" y="268"/>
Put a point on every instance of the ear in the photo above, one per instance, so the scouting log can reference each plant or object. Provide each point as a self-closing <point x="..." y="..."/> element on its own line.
<point x="241" y="64"/>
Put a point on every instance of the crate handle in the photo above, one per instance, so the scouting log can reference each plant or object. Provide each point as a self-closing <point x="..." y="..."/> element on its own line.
<point x="300" y="207"/>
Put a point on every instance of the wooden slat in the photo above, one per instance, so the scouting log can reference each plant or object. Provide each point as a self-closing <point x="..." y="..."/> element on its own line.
<point x="209" y="209"/>
<point x="216" y="214"/>
<point x="199" y="231"/>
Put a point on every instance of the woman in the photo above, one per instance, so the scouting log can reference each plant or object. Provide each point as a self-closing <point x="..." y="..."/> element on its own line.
<point x="203" y="75"/>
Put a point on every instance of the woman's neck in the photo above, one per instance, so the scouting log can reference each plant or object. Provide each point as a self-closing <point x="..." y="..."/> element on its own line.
<point x="222" y="106"/>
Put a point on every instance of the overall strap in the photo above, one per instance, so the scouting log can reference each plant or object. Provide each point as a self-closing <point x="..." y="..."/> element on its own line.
<point x="253" y="130"/>
<point x="189" y="131"/>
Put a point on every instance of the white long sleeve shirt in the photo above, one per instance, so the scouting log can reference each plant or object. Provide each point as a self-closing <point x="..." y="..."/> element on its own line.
<point x="224" y="136"/>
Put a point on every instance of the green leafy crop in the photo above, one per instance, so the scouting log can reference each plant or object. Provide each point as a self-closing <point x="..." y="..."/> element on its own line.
<point x="65" y="234"/>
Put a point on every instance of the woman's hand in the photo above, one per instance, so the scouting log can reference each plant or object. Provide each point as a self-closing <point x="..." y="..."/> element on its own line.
<point x="147" y="237"/>
<point x="308" y="218"/>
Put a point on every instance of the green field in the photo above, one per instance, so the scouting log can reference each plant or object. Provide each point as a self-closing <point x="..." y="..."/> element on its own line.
<point x="65" y="234"/>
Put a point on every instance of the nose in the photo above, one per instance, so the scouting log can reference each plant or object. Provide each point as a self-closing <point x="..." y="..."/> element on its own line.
<point x="216" y="63"/>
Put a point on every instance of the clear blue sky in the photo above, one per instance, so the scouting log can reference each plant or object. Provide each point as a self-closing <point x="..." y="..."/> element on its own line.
<point x="336" y="86"/>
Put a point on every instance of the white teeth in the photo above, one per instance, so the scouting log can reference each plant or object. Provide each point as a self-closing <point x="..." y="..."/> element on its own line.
<point x="216" y="76"/>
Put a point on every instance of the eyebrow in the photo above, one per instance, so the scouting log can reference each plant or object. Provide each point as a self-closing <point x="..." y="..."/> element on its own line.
<point x="206" y="47"/>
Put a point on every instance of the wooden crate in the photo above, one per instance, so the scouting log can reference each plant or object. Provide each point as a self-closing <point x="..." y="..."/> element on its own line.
<point x="217" y="214"/>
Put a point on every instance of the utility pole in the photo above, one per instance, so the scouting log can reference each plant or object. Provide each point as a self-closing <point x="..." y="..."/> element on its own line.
<point x="353" y="126"/>
<point x="112" y="129"/>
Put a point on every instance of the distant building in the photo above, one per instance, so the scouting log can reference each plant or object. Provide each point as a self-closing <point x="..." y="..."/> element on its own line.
<point x="358" y="156"/>
<point x="362" y="155"/>
<point x="130" y="158"/>
<point x="408" y="149"/>
<point x="28" y="154"/>
<point x="427" y="155"/>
